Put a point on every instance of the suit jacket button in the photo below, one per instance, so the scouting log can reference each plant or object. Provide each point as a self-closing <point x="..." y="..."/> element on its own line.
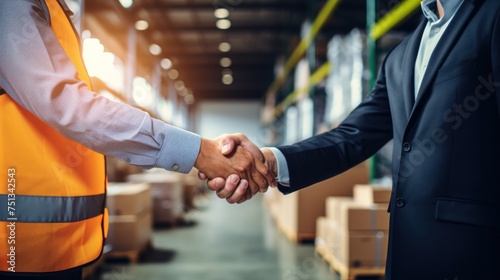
<point x="400" y="202"/>
<point x="406" y="147"/>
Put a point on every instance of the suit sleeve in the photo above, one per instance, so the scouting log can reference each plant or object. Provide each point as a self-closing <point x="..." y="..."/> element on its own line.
<point x="495" y="57"/>
<point x="359" y="136"/>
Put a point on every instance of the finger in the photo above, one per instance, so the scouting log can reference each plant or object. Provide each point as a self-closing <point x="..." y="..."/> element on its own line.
<point x="228" y="144"/>
<point x="239" y="193"/>
<point x="242" y="140"/>
<point x="241" y="200"/>
<point x="258" y="176"/>
<point x="249" y="171"/>
<point x="202" y="176"/>
<point x="264" y="170"/>
<point x="229" y="187"/>
<point x="249" y="194"/>
<point x="216" y="184"/>
<point x="270" y="161"/>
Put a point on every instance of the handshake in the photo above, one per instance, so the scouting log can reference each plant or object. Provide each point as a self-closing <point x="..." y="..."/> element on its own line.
<point x="236" y="168"/>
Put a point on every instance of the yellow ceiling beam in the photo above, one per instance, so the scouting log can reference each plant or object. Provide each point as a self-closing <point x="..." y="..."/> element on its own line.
<point x="393" y="17"/>
<point x="319" y="22"/>
<point x="315" y="78"/>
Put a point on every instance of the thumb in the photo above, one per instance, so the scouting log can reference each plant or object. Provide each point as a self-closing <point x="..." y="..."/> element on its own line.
<point x="228" y="143"/>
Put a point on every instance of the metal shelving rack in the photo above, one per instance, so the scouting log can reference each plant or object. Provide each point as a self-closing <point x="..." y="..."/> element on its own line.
<point x="375" y="30"/>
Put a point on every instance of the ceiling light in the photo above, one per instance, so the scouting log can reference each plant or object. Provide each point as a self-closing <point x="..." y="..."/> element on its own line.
<point x="126" y="3"/>
<point x="142" y="92"/>
<point x="227" y="71"/>
<point x="227" y="79"/>
<point x="154" y="49"/>
<point x="225" y="62"/>
<point x="179" y="85"/>
<point x="223" y="23"/>
<point x="173" y="74"/>
<point x="224" y="47"/>
<point x="166" y="63"/>
<point x="141" y="25"/>
<point x="183" y="92"/>
<point x="86" y="34"/>
<point x="221" y="13"/>
<point x="189" y="99"/>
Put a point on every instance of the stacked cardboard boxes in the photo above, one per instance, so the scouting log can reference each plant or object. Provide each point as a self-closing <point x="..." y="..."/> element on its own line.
<point x="328" y="227"/>
<point x="130" y="222"/>
<point x="362" y="236"/>
<point x="191" y="186"/>
<point x="296" y="213"/>
<point x="355" y="230"/>
<point x="167" y="192"/>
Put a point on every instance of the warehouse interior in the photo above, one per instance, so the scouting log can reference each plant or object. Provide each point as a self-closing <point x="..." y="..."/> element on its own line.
<point x="278" y="71"/>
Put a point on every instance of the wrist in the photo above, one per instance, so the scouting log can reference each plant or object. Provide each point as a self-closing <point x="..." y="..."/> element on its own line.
<point x="202" y="154"/>
<point x="270" y="161"/>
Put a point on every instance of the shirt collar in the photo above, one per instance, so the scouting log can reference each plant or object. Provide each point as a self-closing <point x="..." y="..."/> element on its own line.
<point x="450" y="7"/>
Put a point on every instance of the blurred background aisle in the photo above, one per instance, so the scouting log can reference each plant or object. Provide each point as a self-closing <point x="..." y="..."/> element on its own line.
<point x="224" y="242"/>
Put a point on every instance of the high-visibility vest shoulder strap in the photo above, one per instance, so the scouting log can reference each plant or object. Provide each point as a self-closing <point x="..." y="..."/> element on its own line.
<point x="52" y="214"/>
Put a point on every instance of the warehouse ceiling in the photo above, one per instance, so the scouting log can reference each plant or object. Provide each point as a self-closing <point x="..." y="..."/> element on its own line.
<point x="261" y="32"/>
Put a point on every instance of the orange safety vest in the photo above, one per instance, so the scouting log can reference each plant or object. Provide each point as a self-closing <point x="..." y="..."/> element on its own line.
<point x="52" y="190"/>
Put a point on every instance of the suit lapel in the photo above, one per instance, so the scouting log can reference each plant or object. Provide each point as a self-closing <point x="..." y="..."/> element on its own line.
<point x="409" y="59"/>
<point x="443" y="48"/>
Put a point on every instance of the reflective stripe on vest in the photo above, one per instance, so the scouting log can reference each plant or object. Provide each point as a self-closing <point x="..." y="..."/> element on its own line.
<point x="49" y="209"/>
<point x="55" y="188"/>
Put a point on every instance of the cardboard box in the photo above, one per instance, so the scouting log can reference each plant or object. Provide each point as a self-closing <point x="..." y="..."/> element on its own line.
<point x="362" y="248"/>
<point x="333" y="205"/>
<point x="368" y="194"/>
<point x="157" y="179"/>
<point x="191" y="186"/>
<point x="167" y="192"/>
<point x="273" y="199"/>
<point x="320" y="230"/>
<point x="167" y="210"/>
<point x="299" y="210"/>
<point x="128" y="198"/>
<point x="355" y="217"/>
<point x="130" y="232"/>
<point x="330" y="235"/>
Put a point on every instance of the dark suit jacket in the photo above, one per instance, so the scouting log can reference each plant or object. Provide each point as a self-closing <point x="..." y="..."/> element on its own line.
<point x="445" y="209"/>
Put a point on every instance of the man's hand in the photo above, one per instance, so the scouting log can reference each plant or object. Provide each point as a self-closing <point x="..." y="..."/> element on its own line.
<point x="238" y="161"/>
<point x="231" y="188"/>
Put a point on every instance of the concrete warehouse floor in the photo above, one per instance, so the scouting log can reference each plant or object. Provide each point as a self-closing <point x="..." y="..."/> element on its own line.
<point x="225" y="242"/>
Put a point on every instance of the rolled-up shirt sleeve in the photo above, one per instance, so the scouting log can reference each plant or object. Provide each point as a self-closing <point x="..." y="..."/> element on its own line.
<point x="37" y="74"/>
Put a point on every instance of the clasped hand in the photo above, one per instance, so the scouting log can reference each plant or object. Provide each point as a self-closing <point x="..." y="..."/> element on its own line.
<point x="236" y="168"/>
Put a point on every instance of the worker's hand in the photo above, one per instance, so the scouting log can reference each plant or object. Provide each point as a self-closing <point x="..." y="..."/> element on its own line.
<point x="237" y="161"/>
<point x="231" y="188"/>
